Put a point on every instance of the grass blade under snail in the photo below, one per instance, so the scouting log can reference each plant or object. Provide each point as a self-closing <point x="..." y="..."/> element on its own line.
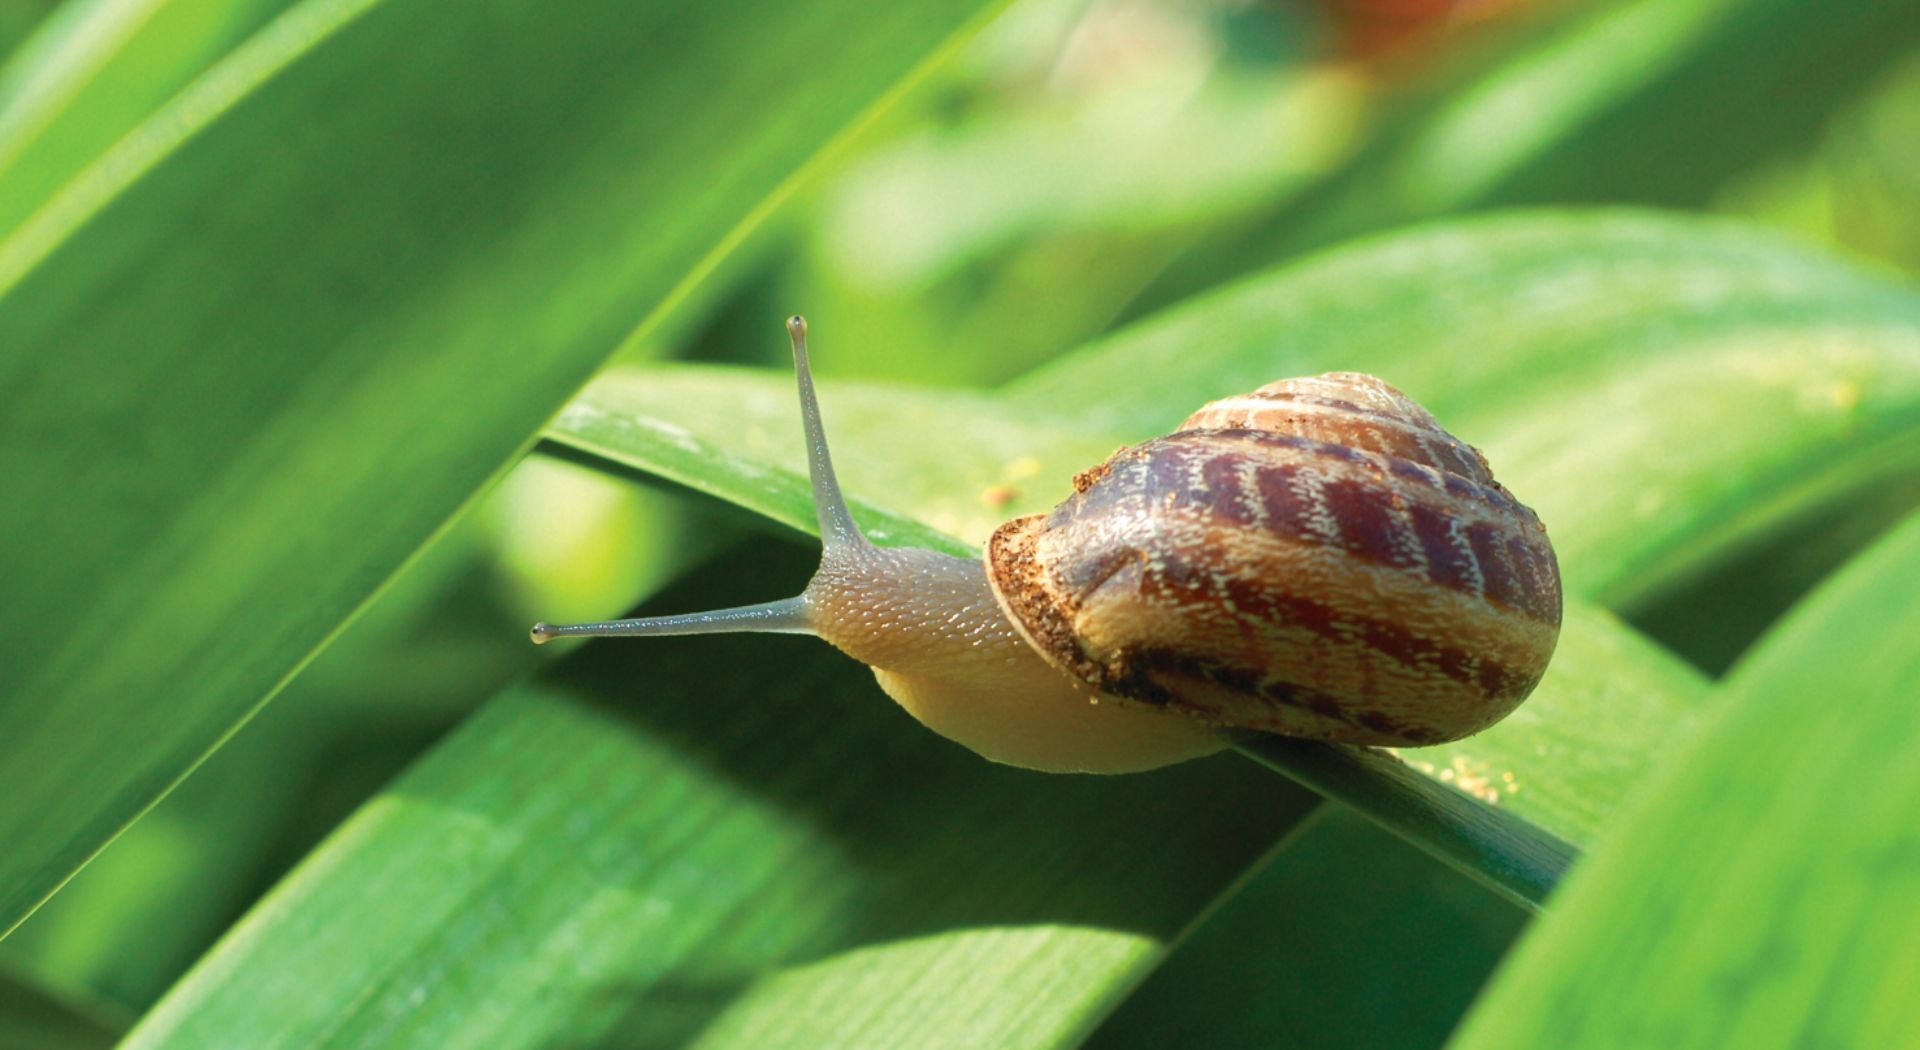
<point x="1510" y="856"/>
<point x="1343" y="910"/>
<point x="701" y="864"/>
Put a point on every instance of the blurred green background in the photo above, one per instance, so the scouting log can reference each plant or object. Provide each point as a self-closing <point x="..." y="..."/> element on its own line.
<point x="289" y="287"/>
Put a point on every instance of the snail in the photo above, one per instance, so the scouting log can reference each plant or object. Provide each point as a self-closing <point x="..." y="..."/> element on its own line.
<point x="1317" y="558"/>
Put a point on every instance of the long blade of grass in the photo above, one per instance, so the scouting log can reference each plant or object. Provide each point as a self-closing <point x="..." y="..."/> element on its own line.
<point x="1766" y="894"/>
<point x="92" y="72"/>
<point x="32" y="1015"/>
<point x="683" y="845"/>
<point x="482" y="199"/>
<point x="1346" y="938"/>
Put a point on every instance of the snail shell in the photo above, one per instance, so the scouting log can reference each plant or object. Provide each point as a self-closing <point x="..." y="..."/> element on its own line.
<point x="1316" y="558"/>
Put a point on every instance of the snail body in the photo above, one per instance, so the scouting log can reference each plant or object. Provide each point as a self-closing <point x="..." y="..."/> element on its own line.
<point x="1317" y="558"/>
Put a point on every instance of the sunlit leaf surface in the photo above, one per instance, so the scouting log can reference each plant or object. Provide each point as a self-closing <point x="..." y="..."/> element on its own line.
<point x="725" y="855"/>
<point x="1766" y="894"/>
<point x="208" y="381"/>
<point x="92" y="73"/>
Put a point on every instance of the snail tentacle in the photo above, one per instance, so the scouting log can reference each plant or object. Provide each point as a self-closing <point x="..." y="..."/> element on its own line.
<point x="837" y="528"/>
<point x="841" y="538"/>
<point x="786" y="616"/>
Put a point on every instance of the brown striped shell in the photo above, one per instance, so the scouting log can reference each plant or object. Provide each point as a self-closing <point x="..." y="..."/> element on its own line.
<point x="1317" y="558"/>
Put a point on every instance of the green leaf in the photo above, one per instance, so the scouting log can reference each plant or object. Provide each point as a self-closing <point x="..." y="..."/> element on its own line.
<point x="18" y="21"/>
<point x="1767" y="892"/>
<point x="441" y="639"/>
<point x="1345" y="938"/>
<point x="725" y="844"/>
<point x="1509" y="856"/>
<point x="1607" y="713"/>
<point x="94" y="71"/>
<point x="37" y="1017"/>
<point x="658" y="420"/>
<point x="207" y="381"/>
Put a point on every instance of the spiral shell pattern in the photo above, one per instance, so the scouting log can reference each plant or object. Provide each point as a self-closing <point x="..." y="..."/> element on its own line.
<point x="1317" y="558"/>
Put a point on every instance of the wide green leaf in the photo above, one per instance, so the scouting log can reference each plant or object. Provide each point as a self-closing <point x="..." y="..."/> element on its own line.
<point x="1587" y="354"/>
<point x="94" y="71"/>
<point x="710" y="845"/>
<point x="220" y="347"/>
<point x="443" y="637"/>
<point x="34" y="1016"/>
<point x="1345" y="938"/>
<point x="18" y="22"/>
<point x="1767" y="892"/>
